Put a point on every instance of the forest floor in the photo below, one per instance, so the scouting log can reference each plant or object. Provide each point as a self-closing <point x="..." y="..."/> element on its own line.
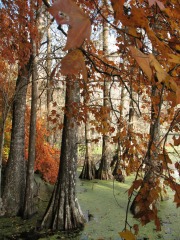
<point x="106" y="203"/>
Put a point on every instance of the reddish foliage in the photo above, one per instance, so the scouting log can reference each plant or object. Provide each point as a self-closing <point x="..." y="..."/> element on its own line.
<point x="47" y="157"/>
<point x="78" y="21"/>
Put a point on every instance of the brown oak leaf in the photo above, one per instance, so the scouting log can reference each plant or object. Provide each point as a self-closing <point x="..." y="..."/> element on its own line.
<point x="67" y="12"/>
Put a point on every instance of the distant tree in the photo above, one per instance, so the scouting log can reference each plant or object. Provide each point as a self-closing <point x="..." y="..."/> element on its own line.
<point x="118" y="163"/>
<point x="103" y="172"/>
<point x="88" y="170"/>
<point x="49" y="90"/>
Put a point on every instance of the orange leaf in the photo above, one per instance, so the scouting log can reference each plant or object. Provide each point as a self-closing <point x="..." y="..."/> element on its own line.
<point x="54" y="104"/>
<point x="177" y="195"/>
<point x="162" y="75"/>
<point x="54" y="71"/>
<point x="178" y="96"/>
<point x="142" y="60"/>
<point x="160" y="4"/>
<point x="136" y="184"/>
<point x="164" y="158"/>
<point x="53" y="112"/>
<point x="136" y="228"/>
<point x="67" y="12"/>
<point x="127" y="235"/>
<point x="176" y="141"/>
<point x="116" y="7"/>
<point x="174" y="58"/>
<point x="73" y="63"/>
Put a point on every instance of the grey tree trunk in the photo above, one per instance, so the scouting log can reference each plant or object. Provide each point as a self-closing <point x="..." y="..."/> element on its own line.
<point x="29" y="204"/>
<point x="2" y="129"/>
<point x="5" y="108"/>
<point x="49" y="91"/>
<point x="142" y="204"/>
<point x="15" y="177"/>
<point x="117" y="159"/>
<point x="103" y="172"/>
<point x="63" y="212"/>
<point x="128" y="156"/>
<point x="88" y="171"/>
<point x="1" y="151"/>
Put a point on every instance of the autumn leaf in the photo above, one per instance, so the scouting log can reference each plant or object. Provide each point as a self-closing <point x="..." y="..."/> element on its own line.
<point x="53" y="112"/>
<point x="96" y="140"/>
<point x="54" y="71"/>
<point x="174" y="58"/>
<point x="164" y="158"/>
<point x="136" y="228"/>
<point x="177" y="196"/>
<point x="142" y="60"/>
<point x="116" y="7"/>
<point x="160" y="4"/>
<point x="127" y="235"/>
<point x="176" y="140"/>
<point x="162" y="75"/>
<point x="133" y="31"/>
<point x="136" y="184"/>
<point x="54" y="104"/>
<point x="73" y="63"/>
<point x="178" y="96"/>
<point x="67" y="12"/>
<point x="158" y="224"/>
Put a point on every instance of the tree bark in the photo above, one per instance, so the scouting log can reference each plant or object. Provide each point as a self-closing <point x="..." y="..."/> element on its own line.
<point x="1" y="151"/>
<point x="88" y="171"/>
<point x="117" y="159"/>
<point x="6" y="105"/>
<point x="2" y="129"/>
<point x="144" y="204"/>
<point x="29" y="205"/>
<point x="103" y="172"/>
<point x="63" y="212"/>
<point x="14" y="189"/>
<point x="49" y="91"/>
<point x="128" y="157"/>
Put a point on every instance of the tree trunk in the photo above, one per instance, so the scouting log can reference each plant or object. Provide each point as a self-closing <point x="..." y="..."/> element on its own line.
<point x="5" y="109"/>
<point x="103" y="172"/>
<point x="117" y="159"/>
<point x="29" y="205"/>
<point x="128" y="156"/>
<point x="49" y="91"/>
<point x="63" y="212"/>
<point x="88" y="171"/>
<point x="2" y="129"/>
<point x="14" y="189"/>
<point x="1" y="151"/>
<point x="144" y="203"/>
